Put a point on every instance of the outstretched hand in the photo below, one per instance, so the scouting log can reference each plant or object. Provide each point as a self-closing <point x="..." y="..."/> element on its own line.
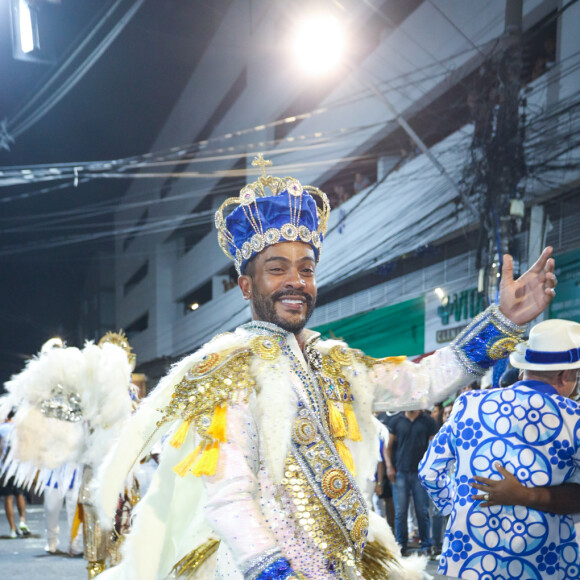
<point x="523" y="299"/>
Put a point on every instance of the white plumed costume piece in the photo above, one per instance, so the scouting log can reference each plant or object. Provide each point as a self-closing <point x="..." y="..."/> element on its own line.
<point x="70" y="405"/>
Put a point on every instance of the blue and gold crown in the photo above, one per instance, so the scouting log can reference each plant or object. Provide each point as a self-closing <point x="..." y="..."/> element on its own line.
<point x="286" y="213"/>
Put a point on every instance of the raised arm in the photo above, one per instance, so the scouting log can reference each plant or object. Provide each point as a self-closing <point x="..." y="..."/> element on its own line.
<point x="491" y="336"/>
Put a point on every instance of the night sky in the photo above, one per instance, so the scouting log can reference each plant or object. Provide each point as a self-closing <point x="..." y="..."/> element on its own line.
<point x="115" y="111"/>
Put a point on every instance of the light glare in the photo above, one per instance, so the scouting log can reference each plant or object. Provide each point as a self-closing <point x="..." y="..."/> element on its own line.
<point x="442" y="295"/>
<point x="319" y="44"/>
<point x="25" y="23"/>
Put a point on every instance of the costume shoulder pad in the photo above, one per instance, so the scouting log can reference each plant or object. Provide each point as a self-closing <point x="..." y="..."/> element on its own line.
<point x="201" y="398"/>
<point x="217" y="379"/>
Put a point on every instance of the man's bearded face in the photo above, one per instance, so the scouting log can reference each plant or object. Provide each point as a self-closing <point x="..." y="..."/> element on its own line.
<point x="283" y="285"/>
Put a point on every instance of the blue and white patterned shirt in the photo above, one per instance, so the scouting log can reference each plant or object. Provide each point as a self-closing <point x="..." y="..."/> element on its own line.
<point x="535" y="434"/>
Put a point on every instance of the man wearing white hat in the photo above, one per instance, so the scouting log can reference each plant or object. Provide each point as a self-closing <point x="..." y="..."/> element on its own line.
<point x="530" y="430"/>
<point x="560" y="339"/>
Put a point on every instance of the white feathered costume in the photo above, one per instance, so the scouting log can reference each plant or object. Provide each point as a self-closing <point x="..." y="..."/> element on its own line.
<point x="70" y="406"/>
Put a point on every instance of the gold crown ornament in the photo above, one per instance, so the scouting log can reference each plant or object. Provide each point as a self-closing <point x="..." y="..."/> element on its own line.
<point x="269" y="211"/>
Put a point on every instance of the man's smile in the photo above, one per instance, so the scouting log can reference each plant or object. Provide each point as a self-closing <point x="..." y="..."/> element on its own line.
<point x="294" y="303"/>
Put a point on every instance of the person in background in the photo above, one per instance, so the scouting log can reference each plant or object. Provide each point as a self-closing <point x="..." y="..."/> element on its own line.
<point x="409" y="436"/>
<point x="70" y="406"/>
<point x="446" y="412"/>
<point x="360" y="182"/>
<point x="509" y="376"/>
<point x="8" y="488"/>
<point x="436" y="412"/>
<point x="438" y="520"/>
<point x="383" y="487"/>
<point x="59" y="491"/>
<point x="563" y="499"/>
<point x="532" y="429"/>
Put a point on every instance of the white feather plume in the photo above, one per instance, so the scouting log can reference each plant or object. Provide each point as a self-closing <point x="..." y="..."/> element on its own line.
<point x="98" y="376"/>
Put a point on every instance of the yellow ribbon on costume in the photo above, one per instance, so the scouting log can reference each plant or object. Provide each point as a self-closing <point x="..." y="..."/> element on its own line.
<point x="397" y="360"/>
<point x="207" y="462"/>
<point x="354" y="433"/>
<point x="180" y="435"/>
<point x="217" y="428"/>
<point x="186" y="464"/>
<point x="336" y="420"/>
<point x="77" y="521"/>
<point x="345" y="455"/>
<point x="203" y="459"/>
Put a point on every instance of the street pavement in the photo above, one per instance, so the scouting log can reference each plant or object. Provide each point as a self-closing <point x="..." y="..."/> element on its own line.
<point x="25" y="558"/>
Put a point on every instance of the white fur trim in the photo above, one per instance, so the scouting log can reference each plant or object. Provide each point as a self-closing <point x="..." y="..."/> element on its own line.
<point x="276" y="406"/>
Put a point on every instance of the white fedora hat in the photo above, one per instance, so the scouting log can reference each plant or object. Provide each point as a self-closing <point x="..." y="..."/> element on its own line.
<point x="553" y="345"/>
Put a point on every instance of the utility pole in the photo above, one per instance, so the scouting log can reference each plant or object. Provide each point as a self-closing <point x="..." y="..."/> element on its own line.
<point x="497" y="154"/>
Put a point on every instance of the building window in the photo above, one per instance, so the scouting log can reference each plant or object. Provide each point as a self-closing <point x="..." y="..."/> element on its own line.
<point x="138" y="326"/>
<point x="140" y="223"/>
<point x="539" y="48"/>
<point x="197" y="298"/>
<point x="136" y="278"/>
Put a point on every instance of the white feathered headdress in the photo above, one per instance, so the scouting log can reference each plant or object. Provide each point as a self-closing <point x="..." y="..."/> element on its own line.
<point x="70" y="405"/>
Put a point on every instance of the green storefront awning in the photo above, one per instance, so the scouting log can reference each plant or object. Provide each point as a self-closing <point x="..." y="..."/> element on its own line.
<point x="390" y="331"/>
<point x="566" y="303"/>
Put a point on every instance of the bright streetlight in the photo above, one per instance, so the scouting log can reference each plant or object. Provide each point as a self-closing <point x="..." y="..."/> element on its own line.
<point x="318" y="44"/>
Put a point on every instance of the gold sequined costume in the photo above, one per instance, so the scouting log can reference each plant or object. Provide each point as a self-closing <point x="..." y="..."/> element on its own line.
<point x="268" y="450"/>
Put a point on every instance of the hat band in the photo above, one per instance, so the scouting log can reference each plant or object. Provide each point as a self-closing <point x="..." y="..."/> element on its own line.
<point x="547" y="358"/>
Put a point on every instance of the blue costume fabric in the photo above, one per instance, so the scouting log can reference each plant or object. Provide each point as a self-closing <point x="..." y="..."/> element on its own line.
<point x="535" y="434"/>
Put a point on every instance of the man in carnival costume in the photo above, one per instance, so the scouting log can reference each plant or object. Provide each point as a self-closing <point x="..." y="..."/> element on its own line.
<point x="70" y="406"/>
<point x="530" y="429"/>
<point x="271" y="428"/>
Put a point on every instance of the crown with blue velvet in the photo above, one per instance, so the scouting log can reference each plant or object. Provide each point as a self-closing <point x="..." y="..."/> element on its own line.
<point x="270" y="211"/>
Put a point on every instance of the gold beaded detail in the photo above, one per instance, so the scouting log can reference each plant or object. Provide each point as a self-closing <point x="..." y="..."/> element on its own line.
<point x="502" y="347"/>
<point x="360" y="529"/>
<point x="304" y="431"/>
<point x="313" y="517"/>
<point x="369" y="362"/>
<point x="341" y="355"/>
<point x="334" y="483"/>
<point x="266" y="347"/>
<point x="329" y="370"/>
<point x="192" y="561"/>
<point x="218" y="379"/>
<point x="206" y="364"/>
<point x="327" y="501"/>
